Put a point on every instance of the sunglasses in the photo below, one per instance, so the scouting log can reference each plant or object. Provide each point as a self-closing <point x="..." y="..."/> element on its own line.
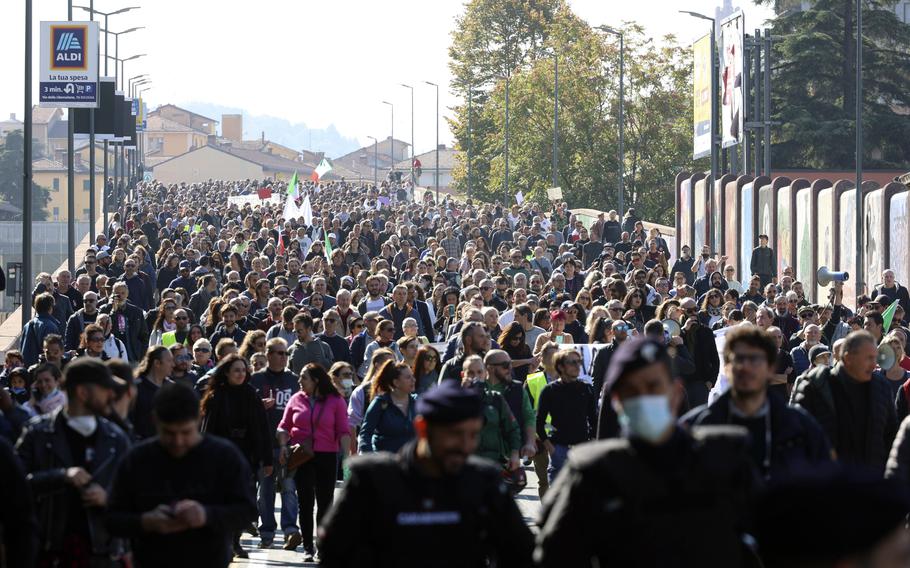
<point x="202" y="350"/>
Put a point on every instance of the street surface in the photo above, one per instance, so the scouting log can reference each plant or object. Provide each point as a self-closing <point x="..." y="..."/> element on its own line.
<point x="528" y="503"/>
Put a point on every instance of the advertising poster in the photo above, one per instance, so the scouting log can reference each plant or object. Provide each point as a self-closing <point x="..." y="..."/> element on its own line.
<point x="872" y="233"/>
<point x="700" y="218"/>
<point x="804" y="245"/>
<point x="701" y="97"/>
<point x="731" y="79"/>
<point x="746" y="243"/>
<point x="731" y="204"/>
<point x="847" y="245"/>
<point x="68" y="74"/>
<point x="685" y="215"/>
<point x="784" y="230"/>
<point x="899" y="260"/>
<point x="825" y="244"/>
<point x="765" y="215"/>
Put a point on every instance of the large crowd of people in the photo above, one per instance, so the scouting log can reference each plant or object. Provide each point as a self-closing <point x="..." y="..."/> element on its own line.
<point x="210" y="354"/>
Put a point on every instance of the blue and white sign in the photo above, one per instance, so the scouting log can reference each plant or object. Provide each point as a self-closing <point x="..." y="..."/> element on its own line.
<point x="69" y="65"/>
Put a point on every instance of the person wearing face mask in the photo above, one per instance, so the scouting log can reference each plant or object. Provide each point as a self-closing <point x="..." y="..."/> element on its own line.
<point x="783" y="439"/>
<point x="70" y="456"/>
<point x="572" y="408"/>
<point x="853" y="404"/>
<point x="639" y="500"/>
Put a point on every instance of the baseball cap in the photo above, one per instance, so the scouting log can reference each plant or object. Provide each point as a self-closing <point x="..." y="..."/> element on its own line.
<point x="185" y="264"/>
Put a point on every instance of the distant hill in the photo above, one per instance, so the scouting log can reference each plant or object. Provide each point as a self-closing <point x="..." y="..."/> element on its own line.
<point x="283" y="131"/>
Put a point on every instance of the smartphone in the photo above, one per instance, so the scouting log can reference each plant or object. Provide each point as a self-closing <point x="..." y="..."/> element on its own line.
<point x="451" y="310"/>
<point x="559" y="340"/>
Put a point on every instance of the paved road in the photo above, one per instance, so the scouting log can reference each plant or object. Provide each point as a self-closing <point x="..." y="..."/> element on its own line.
<point x="276" y="557"/>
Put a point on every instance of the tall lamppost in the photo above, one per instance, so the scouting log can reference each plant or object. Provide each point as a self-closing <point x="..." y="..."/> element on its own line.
<point x="375" y="160"/>
<point x="622" y="119"/>
<point x="392" y="139"/>
<point x="26" y="277"/>
<point x="506" y="145"/>
<point x="859" y="148"/>
<point x="91" y="10"/>
<point x="555" y="166"/>
<point x="436" y="171"/>
<point x="412" y="132"/>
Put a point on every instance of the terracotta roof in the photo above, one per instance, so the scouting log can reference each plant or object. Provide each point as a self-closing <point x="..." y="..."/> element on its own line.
<point x="271" y="162"/>
<point x="49" y="165"/>
<point x="155" y="112"/>
<point x="161" y="124"/>
<point x="428" y="160"/>
<point x="43" y="115"/>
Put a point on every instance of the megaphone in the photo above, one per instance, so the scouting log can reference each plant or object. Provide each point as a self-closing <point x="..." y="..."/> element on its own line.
<point x="826" y="276"/>
<point x="672" y="327"/>
<point x="886" y="357"/>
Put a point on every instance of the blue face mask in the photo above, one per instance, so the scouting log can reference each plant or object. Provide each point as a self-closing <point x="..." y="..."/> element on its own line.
<point x="646" y="417"/>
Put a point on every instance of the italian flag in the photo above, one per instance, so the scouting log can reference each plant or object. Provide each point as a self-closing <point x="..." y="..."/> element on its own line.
<point x="323" y="168"/>
<point x="280" y="243"/>
<point x="328" y="248"/>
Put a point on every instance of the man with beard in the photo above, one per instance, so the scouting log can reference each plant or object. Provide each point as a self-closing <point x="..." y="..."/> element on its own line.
<point x="71" y="455"/>
<point x="433" y="484"/>
<point x="77" y="322"/>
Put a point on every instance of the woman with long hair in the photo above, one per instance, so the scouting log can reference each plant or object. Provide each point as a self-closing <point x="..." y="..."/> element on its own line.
<point x="426" y="368"/>
<point x="512" y="340"/>
<point x="231" y="408"/>
<point x="633" y="306"/>
<point x="164" y="322"/>
<point x="343" y="376"/>
<point x="389" y="421"/>
<point x="168" y="272"/>
<point x="315" y="417"/>
<point x="253" y="342"/>
<point x="575" y="318"/>
<point x="711" y="307"/>
<point x="360" y="398"/>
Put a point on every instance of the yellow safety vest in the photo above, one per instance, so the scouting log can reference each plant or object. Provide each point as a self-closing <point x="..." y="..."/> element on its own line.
<point x="170" y="338"/>
<point x="536" y="382"/>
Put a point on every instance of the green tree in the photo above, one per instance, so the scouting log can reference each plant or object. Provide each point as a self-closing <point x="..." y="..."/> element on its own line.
<point x="658" y="119"/>
<point x="11" y="178"/>
<point x="814" y="89"/>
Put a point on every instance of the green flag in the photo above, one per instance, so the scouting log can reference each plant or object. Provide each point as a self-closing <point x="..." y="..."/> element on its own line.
<point x="292" y="187"/>
<point x="328" y="248"/>
<point x="888" y="315"/>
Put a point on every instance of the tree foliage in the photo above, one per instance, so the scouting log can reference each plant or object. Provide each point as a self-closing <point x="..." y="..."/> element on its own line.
<point x="11" y="178"/>
<point x="813" y="86"/>
<point x="658" y="108"/>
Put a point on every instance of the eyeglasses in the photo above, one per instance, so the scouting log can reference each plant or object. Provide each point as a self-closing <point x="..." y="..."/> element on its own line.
<point x="181" y="318"/>
<point x="746" y="358"/>
<point x="202" y="350"/>
<point x="573" y="362"/>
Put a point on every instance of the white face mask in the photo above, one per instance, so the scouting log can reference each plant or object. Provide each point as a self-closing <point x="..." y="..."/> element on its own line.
<point x="85" y="425"/>
<point x="348" y="385"/>
<point x="646" y="417"/>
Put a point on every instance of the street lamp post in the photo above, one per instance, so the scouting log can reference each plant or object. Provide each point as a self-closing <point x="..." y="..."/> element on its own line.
<point x="715" y="142"/>
<point x="25" y="277"/>
<point x="859" y="148"/>
<point x="412" y="132"/>
<point x="375" y="160"/>
<point x="622" y="111"/>
<point x="555" y="166"/>
<point x="71" y="179"/>
<point x="436" y="170"/>
<point x="392" y="139"/>
<point x="470" y="136"/>
<point x="92" y="213"/>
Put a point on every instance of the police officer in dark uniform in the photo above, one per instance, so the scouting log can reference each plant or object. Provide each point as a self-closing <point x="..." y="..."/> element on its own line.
<point x="434" y="504"/>
<point x="657" y="496"/>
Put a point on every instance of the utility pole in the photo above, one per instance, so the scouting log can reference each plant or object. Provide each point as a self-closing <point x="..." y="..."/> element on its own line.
<point x="70" y="180"/>
<point x="859" y="149"/>
<point x="91" y="151"/>
<point x="25" y="278"/>
<point x="412" y="132"/>
<point x="555" y="166"/>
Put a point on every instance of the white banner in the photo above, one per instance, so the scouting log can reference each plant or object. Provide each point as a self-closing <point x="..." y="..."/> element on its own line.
<point x="554" y="193"/>
<point x="732" y="29"/>
<point x="69" y="65"/>
<point x="253" y="199"/>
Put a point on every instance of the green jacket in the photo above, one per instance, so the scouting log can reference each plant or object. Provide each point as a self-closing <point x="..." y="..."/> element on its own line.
<point x="501" y="434"/>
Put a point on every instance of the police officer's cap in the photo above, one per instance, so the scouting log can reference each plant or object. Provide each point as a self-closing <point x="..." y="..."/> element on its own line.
<point x="633" y="355"/>
<point x="449" y="403"/>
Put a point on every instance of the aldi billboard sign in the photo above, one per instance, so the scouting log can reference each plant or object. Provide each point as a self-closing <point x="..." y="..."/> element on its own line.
<point x="69" y="65"/>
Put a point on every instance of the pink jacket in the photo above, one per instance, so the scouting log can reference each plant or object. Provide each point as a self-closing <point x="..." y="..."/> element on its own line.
<point x="329" y="416"/>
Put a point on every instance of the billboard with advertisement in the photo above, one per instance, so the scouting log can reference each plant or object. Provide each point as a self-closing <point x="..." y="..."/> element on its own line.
<point x="701" y="97"/>
<point x="732" y="29"/>
<point x="69" y="65"/>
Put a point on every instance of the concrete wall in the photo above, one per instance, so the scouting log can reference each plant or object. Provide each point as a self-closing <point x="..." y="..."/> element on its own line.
<point x="204" y="164"/>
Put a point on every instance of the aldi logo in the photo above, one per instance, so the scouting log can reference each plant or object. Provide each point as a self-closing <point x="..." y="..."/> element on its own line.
<point x="68" y="48"/>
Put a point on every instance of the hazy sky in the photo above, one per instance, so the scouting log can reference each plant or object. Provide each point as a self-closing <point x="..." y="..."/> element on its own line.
<point x="310" y="61"/>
